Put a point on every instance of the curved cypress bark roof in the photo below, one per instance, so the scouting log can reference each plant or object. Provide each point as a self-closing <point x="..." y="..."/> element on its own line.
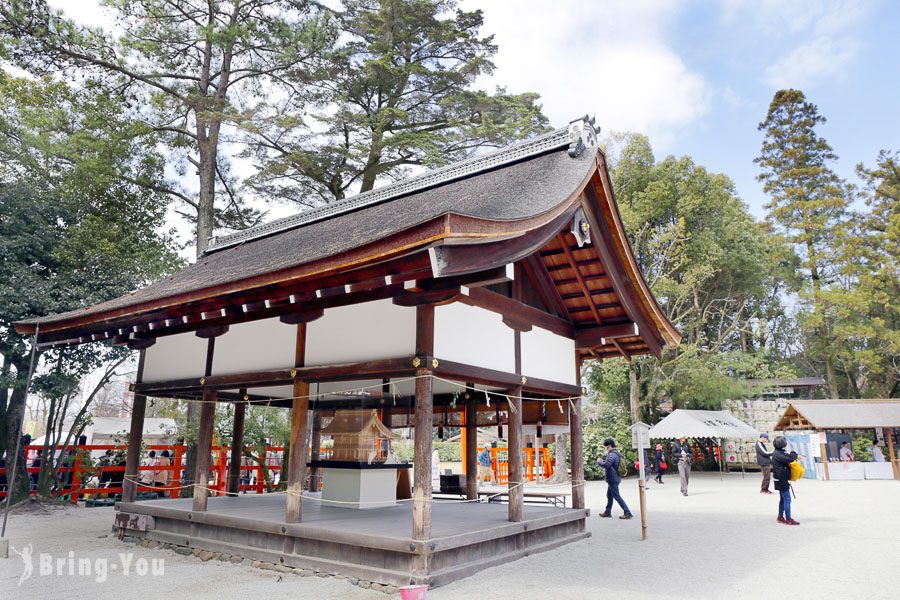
<point x="515" y="193"/>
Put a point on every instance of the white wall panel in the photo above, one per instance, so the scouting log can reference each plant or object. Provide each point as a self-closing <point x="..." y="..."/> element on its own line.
<point x="255" y="346"/>
<point x="474" y="336"/>
<point x="546" y="355"/>
<point x="367" y="331"/>
<point x="175" y="357"/>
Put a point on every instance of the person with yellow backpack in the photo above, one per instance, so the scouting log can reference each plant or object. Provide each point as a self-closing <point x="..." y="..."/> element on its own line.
<point x="784" y="473"/>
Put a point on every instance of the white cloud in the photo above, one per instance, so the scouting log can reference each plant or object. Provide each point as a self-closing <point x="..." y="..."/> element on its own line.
<point x="605" y="58"/>
<point x="820" y="32"/>
<point x="821" y="58"/>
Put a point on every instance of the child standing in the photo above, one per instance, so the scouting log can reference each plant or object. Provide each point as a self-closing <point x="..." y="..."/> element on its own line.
<point x="781" y="469"/>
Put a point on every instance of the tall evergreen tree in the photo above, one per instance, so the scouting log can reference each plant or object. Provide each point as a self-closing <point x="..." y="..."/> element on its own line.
<point x="189" y="67"/>
<point x="397" y="93"/>
<point x="808" y="204"/>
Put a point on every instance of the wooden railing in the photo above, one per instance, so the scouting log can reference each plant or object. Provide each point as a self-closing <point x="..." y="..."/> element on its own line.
<point x="75" y="480"/>
<point x="537" y="465"/>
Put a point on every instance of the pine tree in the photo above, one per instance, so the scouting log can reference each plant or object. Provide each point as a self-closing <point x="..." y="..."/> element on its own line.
<point x="808" y="205"/>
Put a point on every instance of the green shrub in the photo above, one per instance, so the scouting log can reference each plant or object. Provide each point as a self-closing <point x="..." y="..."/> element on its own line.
<point x="613" y="421"/>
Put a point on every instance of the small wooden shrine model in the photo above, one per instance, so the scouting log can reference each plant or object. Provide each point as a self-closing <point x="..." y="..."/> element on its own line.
<point x="358" y="435"/>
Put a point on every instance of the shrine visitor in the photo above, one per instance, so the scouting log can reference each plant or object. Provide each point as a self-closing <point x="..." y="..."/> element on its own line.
<point x="611" y="465"/>
<point x="781" y="469"/>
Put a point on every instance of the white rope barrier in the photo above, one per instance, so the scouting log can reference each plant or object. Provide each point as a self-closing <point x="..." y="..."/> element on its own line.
<point x="318" y="395"/>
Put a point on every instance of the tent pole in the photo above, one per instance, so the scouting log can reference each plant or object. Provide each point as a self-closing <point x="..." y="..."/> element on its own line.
<point x="721" y="457"/>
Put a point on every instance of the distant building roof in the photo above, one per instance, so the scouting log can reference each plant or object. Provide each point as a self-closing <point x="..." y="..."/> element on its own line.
<point x="840" y="414"/>
<point x="702" y="424"/>
<point x="798" y="382"/>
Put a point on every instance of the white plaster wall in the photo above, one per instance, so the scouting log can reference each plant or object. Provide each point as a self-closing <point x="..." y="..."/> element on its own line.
<point x="546" y="355"/>
<point x="474" y="336"/>
<point x="367" y="331"/>
<point x="255" y="346"/>
<point x="178" y="356"/>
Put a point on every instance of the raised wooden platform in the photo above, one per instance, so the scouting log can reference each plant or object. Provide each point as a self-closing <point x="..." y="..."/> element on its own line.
<point x="369" y="544"/>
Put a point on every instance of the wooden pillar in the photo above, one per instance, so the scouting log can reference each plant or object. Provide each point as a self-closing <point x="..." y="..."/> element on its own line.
<point x="237" y="446"/>
<point x="299" y="440"/>
<point x="576" y="440"/>
<point x="515" y="483"/>
<point x="424" y="417"/>
<point x="894" y="466"/>
<point x="204" y="447"/>
<point x="471" y="431"/>
<point x="135" y="437"/>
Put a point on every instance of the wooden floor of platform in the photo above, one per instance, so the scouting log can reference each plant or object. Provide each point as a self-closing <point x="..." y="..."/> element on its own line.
<point x="374" y="544"/>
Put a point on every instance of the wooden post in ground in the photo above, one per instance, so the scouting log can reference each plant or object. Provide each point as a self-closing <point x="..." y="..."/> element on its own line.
<point x="823" y="448"/>
<point x="424" y="417"/>
<point x="135" y="437"/>
<point x="515" y="484"/>
<point x="471" y="431"/>
<point x="237" y="446"/>
<point x="577" y="456"/>
<point x="299" y="440"/>
<point x="204" y="447"/>
<point x="894" y="465"/>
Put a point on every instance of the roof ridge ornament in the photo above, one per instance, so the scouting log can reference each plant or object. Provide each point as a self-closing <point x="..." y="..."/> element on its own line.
<point x="581" y="135"/>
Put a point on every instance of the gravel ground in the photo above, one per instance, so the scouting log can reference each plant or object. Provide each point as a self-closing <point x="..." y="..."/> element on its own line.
<point x="720" y="542"/>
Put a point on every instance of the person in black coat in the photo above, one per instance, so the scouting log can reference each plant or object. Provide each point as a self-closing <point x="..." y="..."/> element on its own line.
<point x="660" y="459"/>
<point x="781" y="470"/>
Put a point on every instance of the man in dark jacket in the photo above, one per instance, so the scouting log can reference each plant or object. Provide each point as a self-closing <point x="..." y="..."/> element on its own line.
<point x="764" y="460"/>
<point x="611" y="465"/>
<point x="681" y="454"/>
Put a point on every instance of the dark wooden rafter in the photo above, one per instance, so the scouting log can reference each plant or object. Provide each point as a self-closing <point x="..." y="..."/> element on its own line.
<point x="578" y="276"/>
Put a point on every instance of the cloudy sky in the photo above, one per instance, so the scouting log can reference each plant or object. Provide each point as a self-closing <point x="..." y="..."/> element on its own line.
<point x="697" y="76"/>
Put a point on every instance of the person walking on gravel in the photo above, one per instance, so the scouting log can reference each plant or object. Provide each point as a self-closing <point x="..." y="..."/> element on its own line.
<point x="764" y="460"/>
<point x="681" y="454"/>
<point x="611" y="465"/>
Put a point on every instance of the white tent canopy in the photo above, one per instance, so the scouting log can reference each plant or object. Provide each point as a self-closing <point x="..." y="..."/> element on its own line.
<point x="702" y="424"/>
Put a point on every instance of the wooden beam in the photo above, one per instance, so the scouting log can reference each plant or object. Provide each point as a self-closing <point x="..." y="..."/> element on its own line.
<point x="463" y="372"/>
<point x="621" y="350"/>
<point x="391" y="367"/>
<point x="237" y="447"/>
<point x="299" y="448"/>
<point x="502" y="305"/>
<point x="135" y="436"/>
<point x="204" y="447"/>
<point x="593" y="337"/>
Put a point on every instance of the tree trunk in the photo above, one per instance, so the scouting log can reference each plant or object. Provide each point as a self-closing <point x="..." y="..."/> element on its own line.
<point x="634" y="393"/>
<point x="206" y="201"/>
<point x="15" y="412"/>
<point x="4" y="400"/>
